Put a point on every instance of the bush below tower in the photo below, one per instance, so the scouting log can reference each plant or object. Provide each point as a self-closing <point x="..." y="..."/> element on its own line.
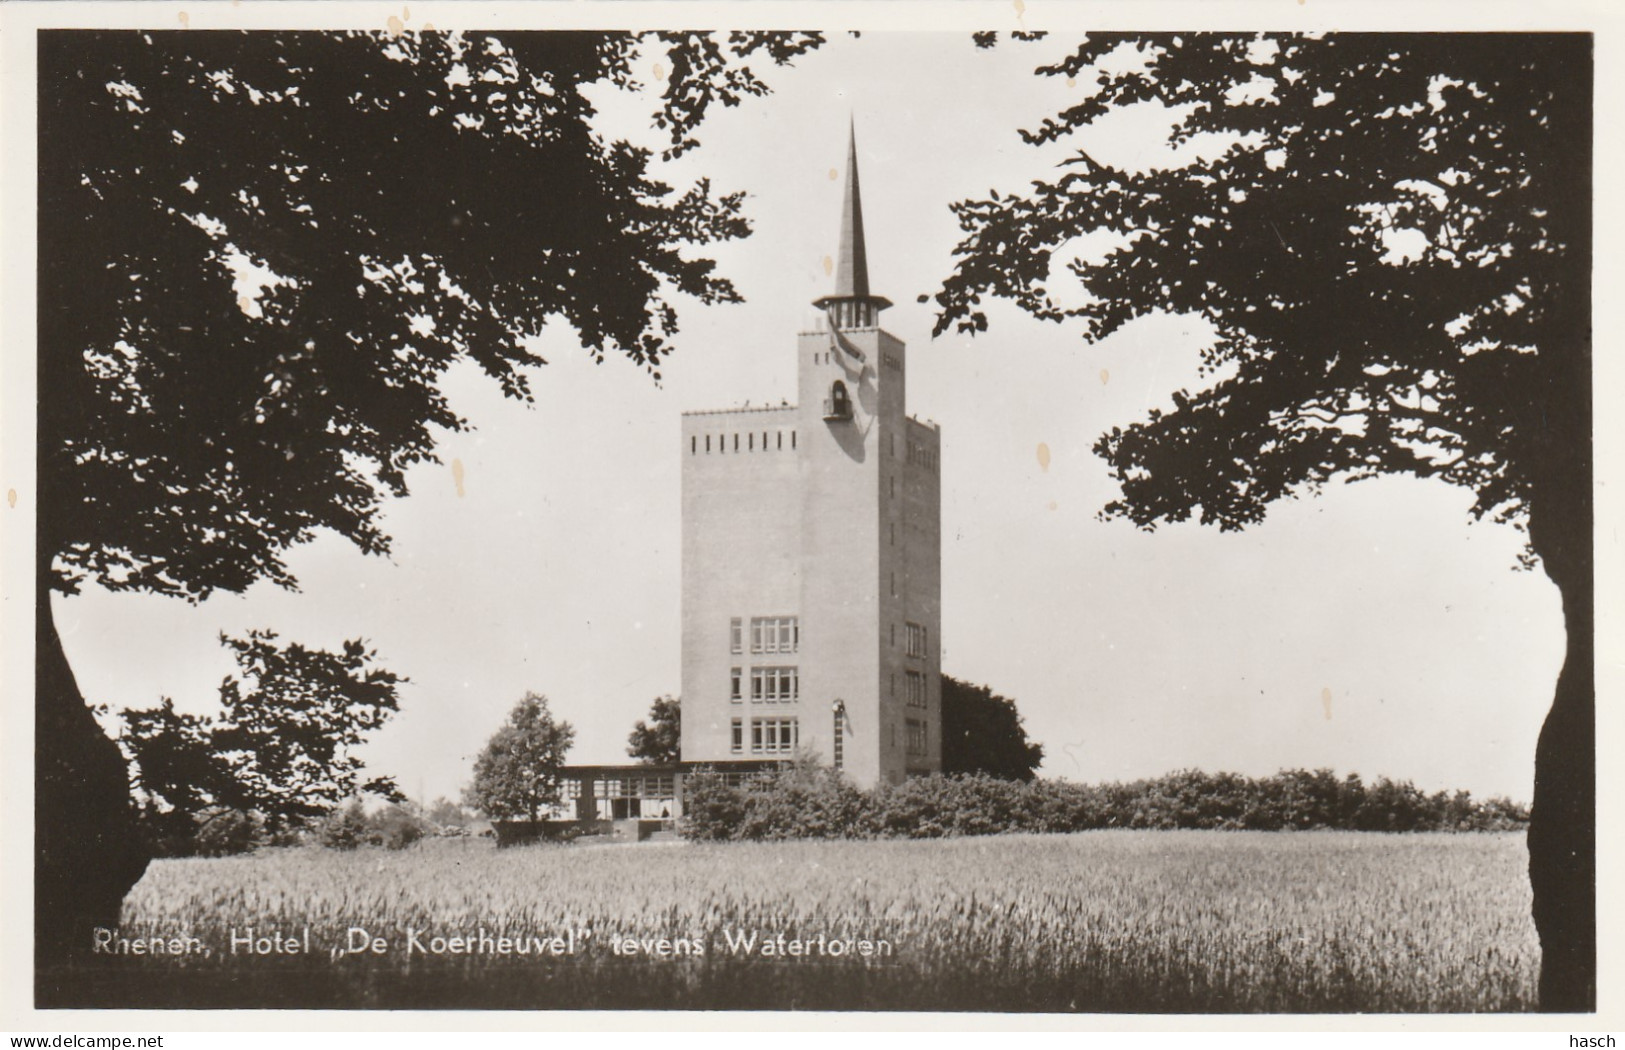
<point x="820" y="803"/>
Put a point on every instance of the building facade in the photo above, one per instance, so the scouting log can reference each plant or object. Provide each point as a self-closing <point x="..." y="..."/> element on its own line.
<point x="811" y="558"/>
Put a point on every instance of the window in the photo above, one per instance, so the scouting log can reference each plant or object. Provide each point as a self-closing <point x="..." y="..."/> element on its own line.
<point x="916" y="640"/>
<point x="775" y="634"/>
<point x="838" y="406"/>
<point x="894" y="636"/>
<point x="693" y="444"/>
<point x="658" y="786"/>
<point x="891" y="528"/>
<point x="774" y="685"/>
<point x="737" y="745"/>
<point x="916" y="688"/>
<point x="735" y="686"/>
<point x="708" y="442"/>
<point x="922" y="456"/>
<point x="916" y="737"/>
<point x="736" y="636"/>
<point x="750" y="441"/>
<point x="773" y="736"/>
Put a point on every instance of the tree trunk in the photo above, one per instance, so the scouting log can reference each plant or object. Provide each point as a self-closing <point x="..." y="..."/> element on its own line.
<point x="1558" y="462"/>
<point x="1563" y="823"/>
<point x="87" y="846"/>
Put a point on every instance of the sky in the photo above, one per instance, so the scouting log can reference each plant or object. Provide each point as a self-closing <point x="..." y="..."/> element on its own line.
<point x="1373" y="628"/>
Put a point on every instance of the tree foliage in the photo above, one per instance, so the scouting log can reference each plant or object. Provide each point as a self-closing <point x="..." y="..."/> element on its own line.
<point x="982" y="733"/>
<point x="517" y="774"/>
<point x="659" y="740"/>
<point x="260" y="252"/>
<point x="1390" y="236"/>
<point x="1385" y="238"/>
<point x="282" y="746"/>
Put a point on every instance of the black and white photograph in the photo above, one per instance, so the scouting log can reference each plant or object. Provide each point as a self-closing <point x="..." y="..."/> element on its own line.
<point x="933" y="509"/>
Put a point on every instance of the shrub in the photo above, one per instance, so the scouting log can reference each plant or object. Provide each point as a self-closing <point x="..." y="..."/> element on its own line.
<point x="712" y="809"/>
<point x="808" y="802"/>
<point x="351" y="826"/>
<point x="448" y="817"/>
<point x="168" y="834"/>
<point x="393" y="827"/>
<point x="804" y="803"/>
<point x="975" y="804"/>
<point x="344" y="828"/>
<point x="225" y="832"/>
<point x="217" y="831"/>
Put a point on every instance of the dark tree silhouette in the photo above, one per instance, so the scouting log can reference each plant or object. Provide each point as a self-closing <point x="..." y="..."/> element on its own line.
<point x="517" y="775"/>
<point x="258" y="253"/>
<point x="281" y="746"/>
<point x="982" y="733"/>
<point x="1393" y="246"/>
<point x="659" y="740"/>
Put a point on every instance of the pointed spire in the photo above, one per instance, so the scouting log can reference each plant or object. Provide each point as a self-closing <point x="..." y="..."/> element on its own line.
<point x="852" y="258"/>
<point x="852" y="264"/>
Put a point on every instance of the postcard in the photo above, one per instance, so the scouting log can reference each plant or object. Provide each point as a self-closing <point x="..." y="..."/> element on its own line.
<point x="1021" y="510"/>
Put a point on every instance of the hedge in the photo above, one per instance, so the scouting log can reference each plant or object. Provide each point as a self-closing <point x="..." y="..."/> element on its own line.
<point x="819" y="803"/>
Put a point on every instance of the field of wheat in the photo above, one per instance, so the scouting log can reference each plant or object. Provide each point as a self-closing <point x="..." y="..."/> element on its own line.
<point x="1144" y="921"/>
